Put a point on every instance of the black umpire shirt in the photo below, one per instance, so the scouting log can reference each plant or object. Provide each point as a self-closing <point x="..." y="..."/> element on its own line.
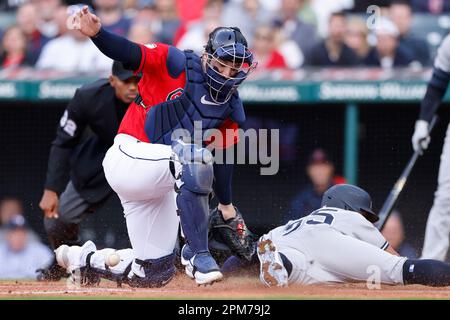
<point x="85" y="132"/>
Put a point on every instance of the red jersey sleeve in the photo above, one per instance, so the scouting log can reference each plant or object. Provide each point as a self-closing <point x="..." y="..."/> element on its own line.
<point x="154" y="58"/>
<point x="228" y="137"/>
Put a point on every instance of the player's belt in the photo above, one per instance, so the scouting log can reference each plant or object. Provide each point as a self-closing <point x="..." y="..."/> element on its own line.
<point x="140" y="102"/>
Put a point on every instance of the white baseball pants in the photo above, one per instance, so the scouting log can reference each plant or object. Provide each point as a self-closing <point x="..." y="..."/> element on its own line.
<point x="139" y="173"/>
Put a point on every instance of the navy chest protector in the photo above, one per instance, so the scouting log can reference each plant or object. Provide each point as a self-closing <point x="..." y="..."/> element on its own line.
<point x="194" y="104"/>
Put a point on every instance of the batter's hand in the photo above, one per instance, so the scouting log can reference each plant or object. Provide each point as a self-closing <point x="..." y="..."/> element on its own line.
<point x="49" y="204"/>
<point x="87" y="22"/>
<point x="421" y="137"/>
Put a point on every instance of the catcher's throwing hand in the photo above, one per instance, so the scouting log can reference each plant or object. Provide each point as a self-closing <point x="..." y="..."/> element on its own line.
<point x="49" y="204"/>
<point x="85" y="21"/>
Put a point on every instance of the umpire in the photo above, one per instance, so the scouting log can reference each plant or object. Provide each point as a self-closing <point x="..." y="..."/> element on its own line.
<point x="75" y="183"/>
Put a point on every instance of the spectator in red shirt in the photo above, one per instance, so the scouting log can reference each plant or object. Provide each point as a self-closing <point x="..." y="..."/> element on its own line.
<point x="14" y="46"/>
<point x="264" y="49"/>
<point x="27" y="19"/>
<point x="190" y="10"/>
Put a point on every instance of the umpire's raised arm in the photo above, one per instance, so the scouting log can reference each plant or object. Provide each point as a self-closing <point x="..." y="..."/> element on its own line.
<point x="113" y="46"/>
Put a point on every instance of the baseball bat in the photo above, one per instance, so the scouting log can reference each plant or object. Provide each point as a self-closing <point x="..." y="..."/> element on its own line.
<point x="389" y="203"/>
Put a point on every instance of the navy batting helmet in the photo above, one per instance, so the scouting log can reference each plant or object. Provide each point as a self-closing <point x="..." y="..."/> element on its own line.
<point x="227" y="44"/>
<point x="349" y="197"/>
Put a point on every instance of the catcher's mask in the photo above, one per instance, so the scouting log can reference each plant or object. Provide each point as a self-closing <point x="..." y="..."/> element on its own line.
<point x="226" y="48"/>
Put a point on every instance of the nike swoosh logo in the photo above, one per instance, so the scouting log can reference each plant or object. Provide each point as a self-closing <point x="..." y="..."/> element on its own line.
<point x="204" y="101"/>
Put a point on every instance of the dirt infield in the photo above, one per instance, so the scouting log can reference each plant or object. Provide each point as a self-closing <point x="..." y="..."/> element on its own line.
<point x="232" y="288"/>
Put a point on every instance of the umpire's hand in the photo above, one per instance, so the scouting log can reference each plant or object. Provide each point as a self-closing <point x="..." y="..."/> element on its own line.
<point x="85" y="21"/>
<point x="49" y="204"/>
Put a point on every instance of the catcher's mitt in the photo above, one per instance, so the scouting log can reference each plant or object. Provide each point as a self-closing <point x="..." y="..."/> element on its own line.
<point x="232" y="234"/>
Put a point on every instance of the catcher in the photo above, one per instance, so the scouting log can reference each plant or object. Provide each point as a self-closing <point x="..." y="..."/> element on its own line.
<point x="177" y="90"/>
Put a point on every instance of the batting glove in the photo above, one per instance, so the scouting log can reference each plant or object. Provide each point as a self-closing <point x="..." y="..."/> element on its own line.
<point x="421" y="137"/>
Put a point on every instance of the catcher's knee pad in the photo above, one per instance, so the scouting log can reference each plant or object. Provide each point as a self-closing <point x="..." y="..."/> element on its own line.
<point x="197" y="167"/>
<point x="198" y="178"/>
<point x="158" y="272"/>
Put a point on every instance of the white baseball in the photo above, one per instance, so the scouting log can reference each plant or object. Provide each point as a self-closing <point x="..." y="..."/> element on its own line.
<point x="113" y="259"/>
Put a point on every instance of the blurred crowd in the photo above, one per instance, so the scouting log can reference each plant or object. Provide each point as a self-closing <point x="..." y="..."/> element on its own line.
<point x="20" y="246"/>
<point x="282" y="33"/>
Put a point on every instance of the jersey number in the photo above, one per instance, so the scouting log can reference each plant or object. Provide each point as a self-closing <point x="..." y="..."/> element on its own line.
<point x="317" y="217"/>
<point x="320" y="217"/>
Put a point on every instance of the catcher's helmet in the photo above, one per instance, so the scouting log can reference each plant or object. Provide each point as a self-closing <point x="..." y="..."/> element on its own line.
<point x="349" y="197"/>
<point x="227" y="44"/>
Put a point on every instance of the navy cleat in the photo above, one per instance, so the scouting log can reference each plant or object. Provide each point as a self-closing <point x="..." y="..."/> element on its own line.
<point x="272" y="270"/>
<point x="202" y="267"/>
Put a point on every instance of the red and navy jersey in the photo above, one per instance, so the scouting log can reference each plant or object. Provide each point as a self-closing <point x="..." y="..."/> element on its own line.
<point x="156" y="86"/>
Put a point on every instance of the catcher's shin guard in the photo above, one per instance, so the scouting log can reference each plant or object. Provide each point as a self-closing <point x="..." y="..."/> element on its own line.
<point x="193" y="210"/>
<point x="192" y="199"/>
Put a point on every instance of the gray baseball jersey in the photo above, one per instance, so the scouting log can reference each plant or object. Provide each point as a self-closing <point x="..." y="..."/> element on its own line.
<point x="437" y="231"/>
<point x="335" y="245"/>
